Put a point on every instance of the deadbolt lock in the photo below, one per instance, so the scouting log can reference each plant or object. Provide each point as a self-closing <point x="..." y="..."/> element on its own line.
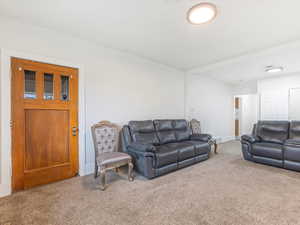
<point x="74" y="131"/>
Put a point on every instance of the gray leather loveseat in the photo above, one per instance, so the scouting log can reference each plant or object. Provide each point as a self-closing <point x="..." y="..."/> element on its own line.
<point x="275" y="143"/>
<point x="160" y="146"/>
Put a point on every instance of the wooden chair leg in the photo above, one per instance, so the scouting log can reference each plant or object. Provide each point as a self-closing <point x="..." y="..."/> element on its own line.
<point x="102" y="179"/>
<point x="216" y="148"/>
<point x="96" y="171"/>
<point x="130" y="171"/>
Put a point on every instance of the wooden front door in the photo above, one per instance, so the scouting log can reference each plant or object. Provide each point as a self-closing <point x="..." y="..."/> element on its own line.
<point x="44" y="123"/>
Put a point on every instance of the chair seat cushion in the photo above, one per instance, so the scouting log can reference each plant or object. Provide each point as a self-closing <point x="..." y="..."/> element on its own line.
<point x="111" y="158"/>
<point x="266" y="149"/>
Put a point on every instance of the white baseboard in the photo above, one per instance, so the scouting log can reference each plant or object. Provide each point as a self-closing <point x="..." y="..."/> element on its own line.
<point x="89" y="168"/>
<point x="228" y="138"/>
<point x="4" y="190"/>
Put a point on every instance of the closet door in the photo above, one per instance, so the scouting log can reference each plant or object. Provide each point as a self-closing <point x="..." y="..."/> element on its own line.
<point x="294" y="104"/>
<point x="274" y="105"/>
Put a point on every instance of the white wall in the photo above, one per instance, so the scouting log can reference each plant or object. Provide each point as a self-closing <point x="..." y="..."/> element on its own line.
<point x="211" y="102"/>
<point x="119" y="86"/>
<point x="280" y="83"/>
<point x="245" y="88"/>
<point x="249" y="113"/>
<point x="274" y="96"/>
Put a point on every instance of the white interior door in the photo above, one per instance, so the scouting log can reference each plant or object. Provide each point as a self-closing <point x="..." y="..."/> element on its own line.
<point x="294" y="104"/>
<point x="274" y="105"/>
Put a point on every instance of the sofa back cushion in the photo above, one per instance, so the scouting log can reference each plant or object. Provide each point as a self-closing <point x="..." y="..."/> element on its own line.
<point x="169" y="131"/>
<point x="143" y="132"/>
<point x="273" y="131"/>
<point x="182" y="130"/>
<point x="165" y="131"/>
<point x="295" y="130"/>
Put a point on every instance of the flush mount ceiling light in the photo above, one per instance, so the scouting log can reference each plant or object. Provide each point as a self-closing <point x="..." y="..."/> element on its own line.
<point x="202" y="13"/>
<point x="272" y="69"/>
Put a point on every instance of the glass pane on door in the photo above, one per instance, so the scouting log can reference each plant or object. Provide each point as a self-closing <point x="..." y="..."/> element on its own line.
<point x="64" y="88"/>
<point x="48" y="86"/>
<point x="30" y="84"/>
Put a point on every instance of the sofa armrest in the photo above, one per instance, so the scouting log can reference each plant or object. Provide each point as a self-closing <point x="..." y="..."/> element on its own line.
<point x="201" y="137"/>
<point x="250" y="138"/>
<point x="140" y="147"/>
<point x="293" y="142"/>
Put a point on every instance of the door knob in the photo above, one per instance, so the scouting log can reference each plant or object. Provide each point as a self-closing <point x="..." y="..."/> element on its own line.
<point x="74" y="131"/>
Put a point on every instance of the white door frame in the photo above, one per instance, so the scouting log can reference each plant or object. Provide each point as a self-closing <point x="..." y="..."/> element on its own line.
<point x="5" y="113"/>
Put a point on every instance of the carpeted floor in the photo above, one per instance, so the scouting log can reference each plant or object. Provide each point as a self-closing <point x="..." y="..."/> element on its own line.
<point x="222" y="190"/>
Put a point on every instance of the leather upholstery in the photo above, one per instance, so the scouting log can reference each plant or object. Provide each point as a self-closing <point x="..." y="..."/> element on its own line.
<point x="165" y="155"/>
<point x="270" y="150"/>
<point x="292" y="142"/>
<point x="143" y="132"/>
<point x="273" y="131"/>
<point x="182" y="135"/>
<point x="166" y="137"/>
<point x="201" y="137"/>
<point x="277" y="144"/>
<point x="142" y="147"/>
<point x="182" y="130"/>
<point x="161" y="146"/>
<point x="184" y="150"/>
<point x="165" y="131"/>
<point x="200" y="147"/>
<point x="295" y="130"/>
<point x="250" y="138"/>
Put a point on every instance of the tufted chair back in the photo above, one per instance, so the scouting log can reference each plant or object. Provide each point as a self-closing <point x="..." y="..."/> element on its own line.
<point x="195" y="126"/>
<point x="105" y="137"/>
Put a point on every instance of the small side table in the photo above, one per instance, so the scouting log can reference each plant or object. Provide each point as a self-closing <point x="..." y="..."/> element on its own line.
<point x="213" y="142"/>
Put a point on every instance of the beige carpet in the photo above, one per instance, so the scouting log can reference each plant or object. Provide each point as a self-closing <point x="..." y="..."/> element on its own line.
<point x="222" y="190"/>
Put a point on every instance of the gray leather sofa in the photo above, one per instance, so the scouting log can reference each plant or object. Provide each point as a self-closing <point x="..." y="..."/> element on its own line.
<point x="275" y="143"/>
<point x="161" y="146"/>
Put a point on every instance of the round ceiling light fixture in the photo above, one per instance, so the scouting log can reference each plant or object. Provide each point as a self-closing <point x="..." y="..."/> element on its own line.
<point x="202" y="13"/>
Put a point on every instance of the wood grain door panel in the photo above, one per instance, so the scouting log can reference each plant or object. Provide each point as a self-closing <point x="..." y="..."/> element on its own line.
<point x="45" y="136"/>
<point x="47" y="175"/>
<point x="44" y="148"/>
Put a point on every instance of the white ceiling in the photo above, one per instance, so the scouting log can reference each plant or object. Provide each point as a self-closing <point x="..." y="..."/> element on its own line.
<point x="158" y="30"/>
<point x="251" y="67"/>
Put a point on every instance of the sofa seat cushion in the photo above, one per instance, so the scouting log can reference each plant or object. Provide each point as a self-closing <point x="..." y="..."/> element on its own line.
<point x="165" y="155"/>
<point x="292" y="150"/>
<point x="185" y="150"/>
<point x="200" y="147"/>
<point x="292" y="142"/>
<point x="265" y="149"/>
<point x="174" y="152"/>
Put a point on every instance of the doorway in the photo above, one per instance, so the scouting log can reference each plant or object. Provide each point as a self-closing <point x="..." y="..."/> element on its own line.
<point x="44" y="123"/>
<point x="246" y="113"/>
<point x="237" y="101"/>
